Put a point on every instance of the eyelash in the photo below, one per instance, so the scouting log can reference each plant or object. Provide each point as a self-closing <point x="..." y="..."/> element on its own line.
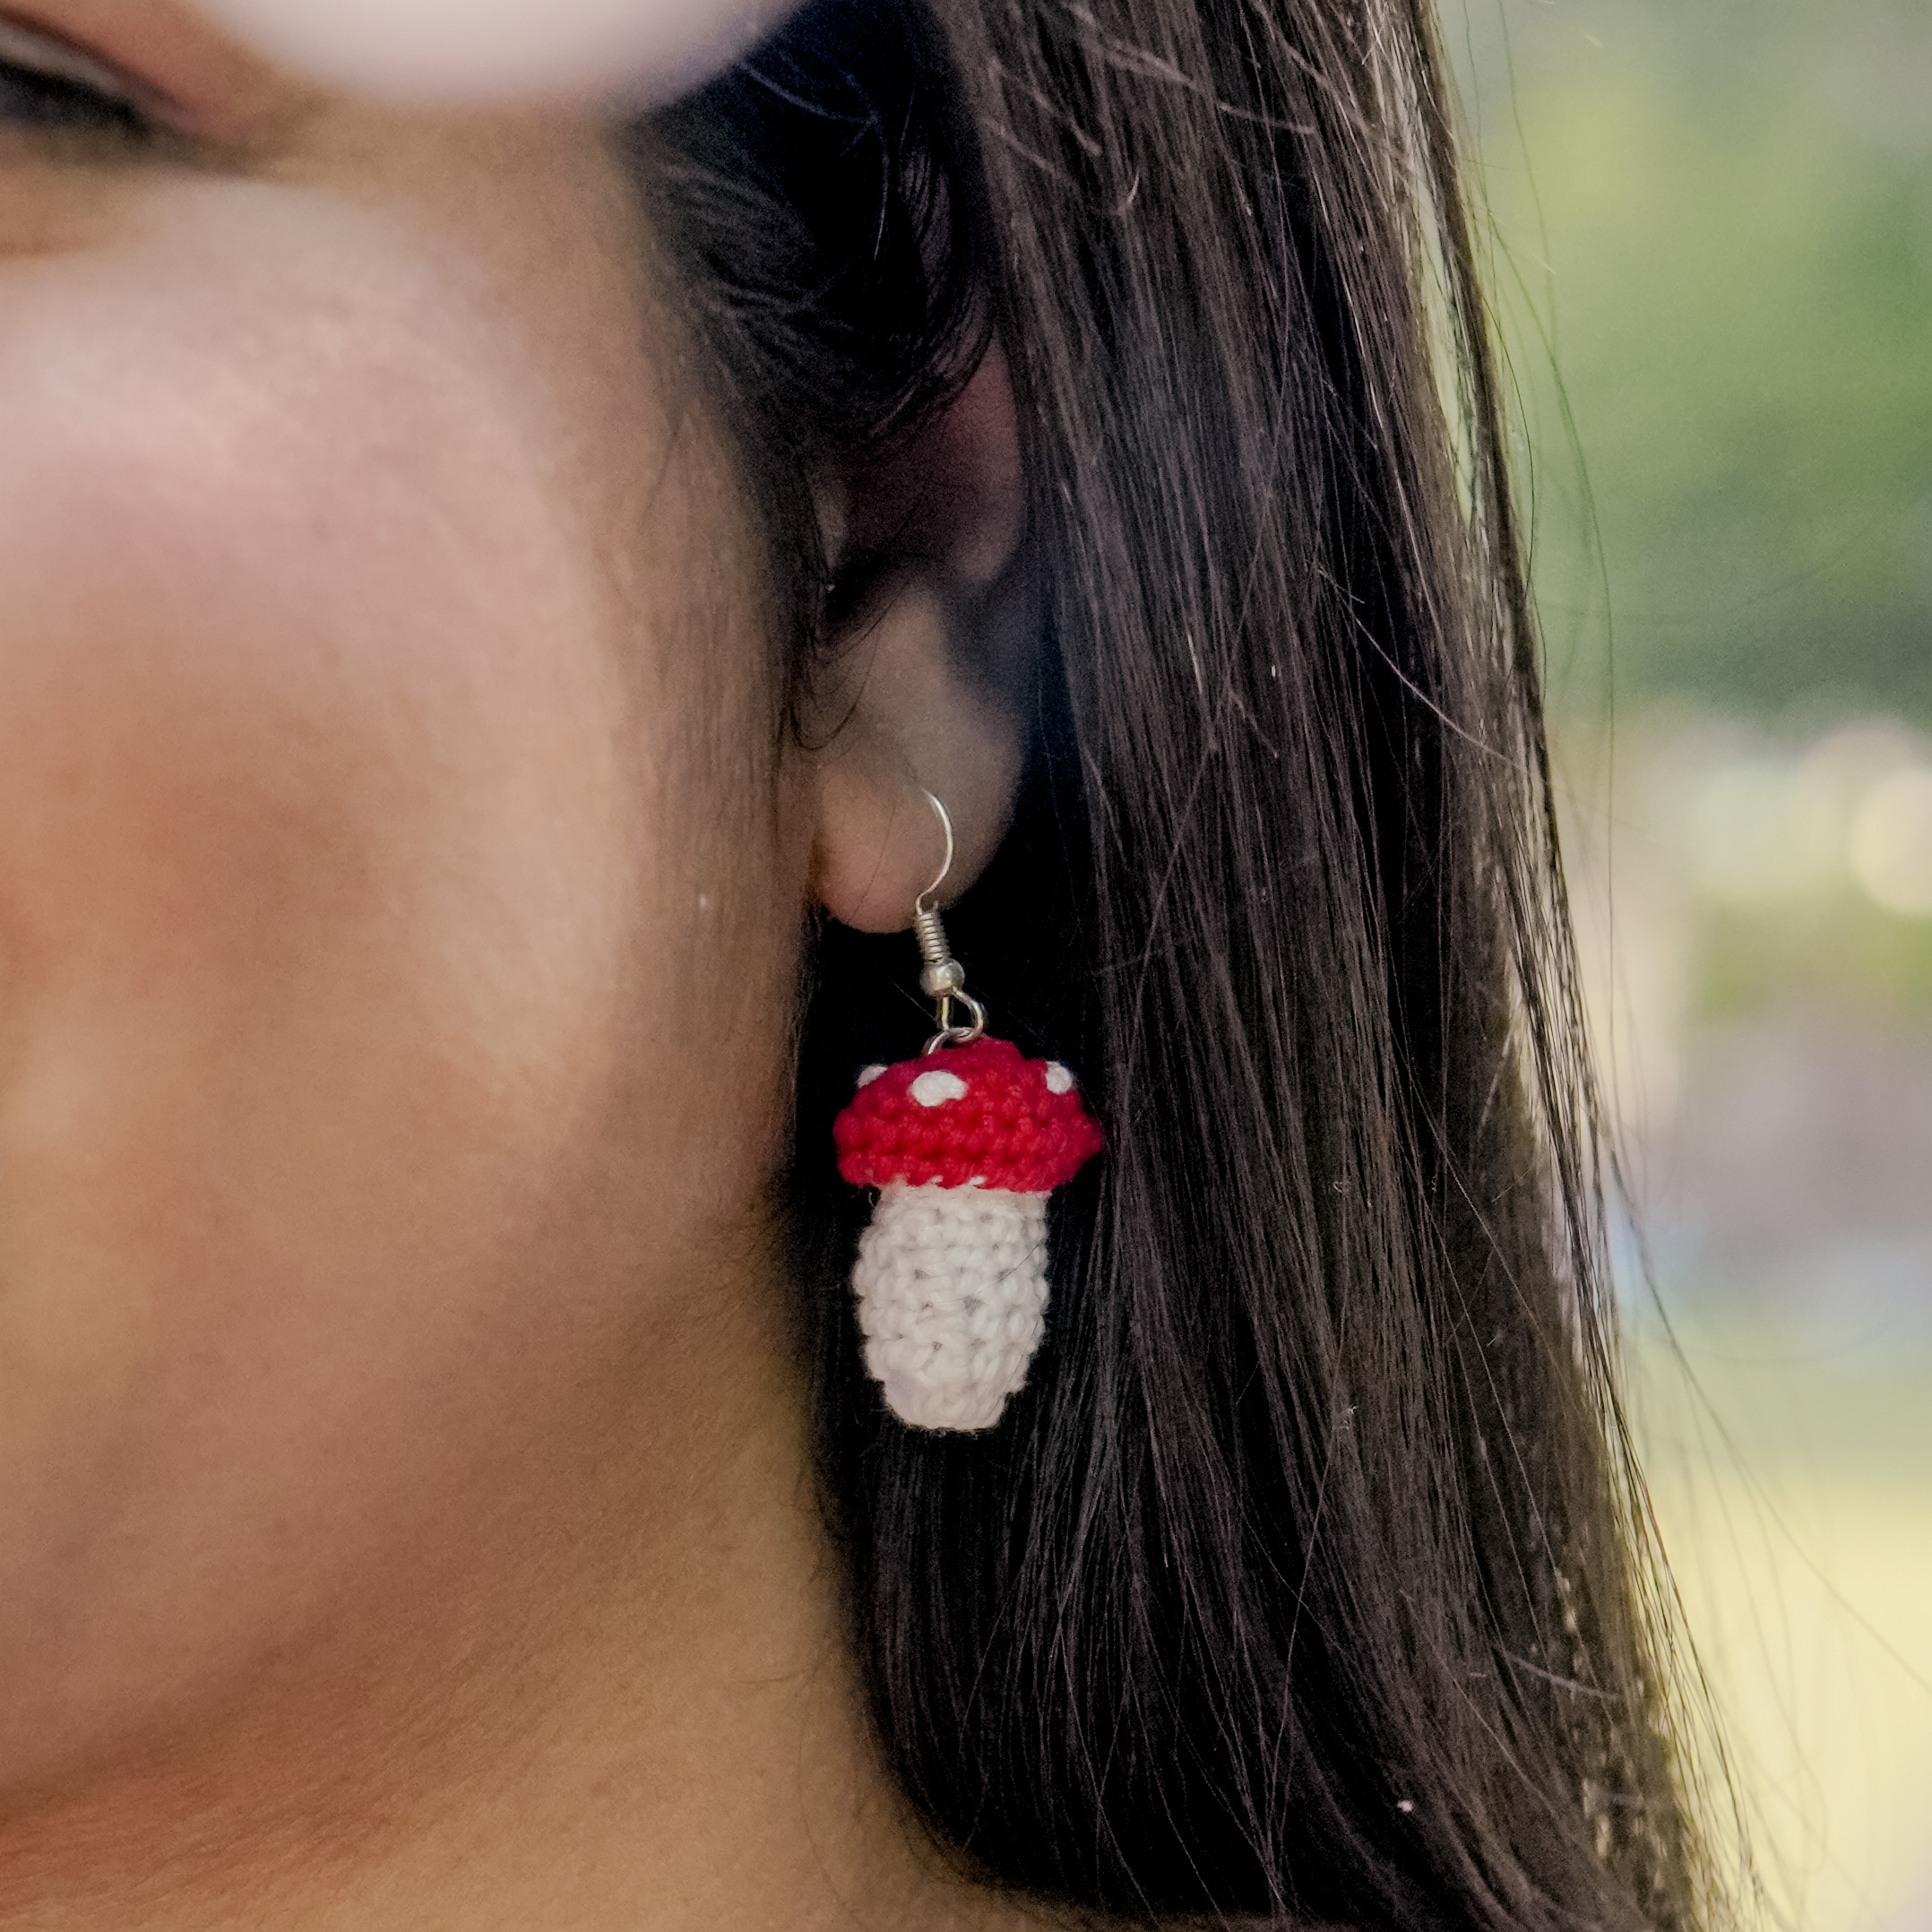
<point x="42" y="100"/>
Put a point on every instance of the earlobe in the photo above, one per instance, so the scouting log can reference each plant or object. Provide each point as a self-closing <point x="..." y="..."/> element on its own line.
<point x="927" y="690"/>
<point x="912" y="722"/>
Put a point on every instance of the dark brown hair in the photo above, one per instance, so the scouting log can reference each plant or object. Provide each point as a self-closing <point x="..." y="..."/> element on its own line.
<point x="1302" y="1581"/>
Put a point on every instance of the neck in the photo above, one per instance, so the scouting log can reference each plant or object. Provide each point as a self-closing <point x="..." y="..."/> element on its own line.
<point x="683" y="1744"/>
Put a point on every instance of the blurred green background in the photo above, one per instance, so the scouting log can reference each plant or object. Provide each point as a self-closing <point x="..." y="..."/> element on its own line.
<point x="1709" y="232"/>
<point x="1722" y="215"/>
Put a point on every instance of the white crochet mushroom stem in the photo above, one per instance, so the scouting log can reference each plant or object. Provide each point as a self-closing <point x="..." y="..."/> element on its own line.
<point x="952" y="1286"/>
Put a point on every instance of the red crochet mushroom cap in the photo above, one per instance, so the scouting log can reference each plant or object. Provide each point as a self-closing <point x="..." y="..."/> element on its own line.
<point x="979" y="1116"/>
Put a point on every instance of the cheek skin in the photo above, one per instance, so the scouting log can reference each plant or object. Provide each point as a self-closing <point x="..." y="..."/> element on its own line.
<point x="342" y="973"/>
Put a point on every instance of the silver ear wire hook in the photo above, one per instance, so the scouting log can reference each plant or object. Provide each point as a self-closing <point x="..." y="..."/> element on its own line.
<point x="946" y="865"/>
<point x="944" y="979"/>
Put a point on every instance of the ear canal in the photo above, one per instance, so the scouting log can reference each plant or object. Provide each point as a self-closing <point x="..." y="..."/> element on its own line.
<point x="950" y="498"/>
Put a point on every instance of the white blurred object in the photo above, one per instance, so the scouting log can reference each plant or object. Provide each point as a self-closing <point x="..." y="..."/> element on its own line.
<point x="1761" y="832"/>
<point x="472" y="52"/>
<point x="1891" y="843"/>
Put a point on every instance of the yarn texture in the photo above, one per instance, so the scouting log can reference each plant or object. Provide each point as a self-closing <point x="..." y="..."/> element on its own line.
<point x="952" y="1287"/>
<point x="964" y="1146"/>
<point x="979" y="1116"/>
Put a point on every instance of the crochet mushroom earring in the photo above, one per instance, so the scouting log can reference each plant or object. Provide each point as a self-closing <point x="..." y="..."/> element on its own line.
<point x="964" y="1144"/>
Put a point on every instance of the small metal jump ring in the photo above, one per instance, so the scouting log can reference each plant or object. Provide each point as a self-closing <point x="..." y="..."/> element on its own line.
<point x="950" y="1035"/>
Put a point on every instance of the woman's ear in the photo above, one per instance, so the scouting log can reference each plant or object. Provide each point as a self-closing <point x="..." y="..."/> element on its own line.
<point x="926" y="686"/>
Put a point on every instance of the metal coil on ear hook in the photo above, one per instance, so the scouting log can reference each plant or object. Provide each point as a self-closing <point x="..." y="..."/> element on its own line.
<point x="944" y="979"/>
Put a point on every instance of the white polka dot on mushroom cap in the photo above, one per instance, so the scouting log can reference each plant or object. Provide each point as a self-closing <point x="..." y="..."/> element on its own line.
<point x="867" y="1075"/>
<point x="1059" y="1079"/>
<point x="936" y="1088"/>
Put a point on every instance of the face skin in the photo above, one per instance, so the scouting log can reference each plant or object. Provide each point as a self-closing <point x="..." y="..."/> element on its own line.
<point x="403" y="1507"/>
